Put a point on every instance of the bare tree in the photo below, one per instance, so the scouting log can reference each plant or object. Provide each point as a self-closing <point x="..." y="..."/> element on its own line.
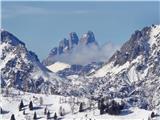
<point x="41" y="101"/>
<point x="72" y="108"/>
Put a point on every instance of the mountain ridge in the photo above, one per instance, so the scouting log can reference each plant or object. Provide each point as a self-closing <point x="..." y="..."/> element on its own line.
<point x="21" y="68"/>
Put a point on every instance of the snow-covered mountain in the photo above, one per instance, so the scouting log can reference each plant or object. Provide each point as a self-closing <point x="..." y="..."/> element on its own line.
<point x="67" y="45"/>
<point x="134" y="70"/>
<point x="139" y="56"/>
<point x="22" y="69"/>
<point x="131" y="74"/>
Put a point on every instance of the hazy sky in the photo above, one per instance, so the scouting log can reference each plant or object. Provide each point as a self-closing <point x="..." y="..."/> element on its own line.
<point x="41" y="25"/>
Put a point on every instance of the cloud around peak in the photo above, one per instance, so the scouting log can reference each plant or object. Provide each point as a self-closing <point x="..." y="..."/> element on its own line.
<point x="86" y="54"/>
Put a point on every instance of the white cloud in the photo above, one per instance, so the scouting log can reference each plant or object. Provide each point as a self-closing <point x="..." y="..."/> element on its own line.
<point x="84" y="55"/>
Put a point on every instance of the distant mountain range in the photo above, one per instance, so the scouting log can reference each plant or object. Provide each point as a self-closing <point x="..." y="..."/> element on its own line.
<point x="132" y="73"/>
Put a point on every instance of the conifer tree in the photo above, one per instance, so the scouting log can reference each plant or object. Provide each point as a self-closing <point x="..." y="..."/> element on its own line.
<point x="55" y="116"/>
<point x="1" y="111"/>
<point x="81" y="107"/>
<point x="35" y="116"/>
<point x="24" y="112"/>
<point x="60" y="111"/>
<point x="45" y="110"/>
<point x="21" y="105"/>
<point x="48" y="114"/>
<point x="30" y="105"/>
<point x="12" y="117"/>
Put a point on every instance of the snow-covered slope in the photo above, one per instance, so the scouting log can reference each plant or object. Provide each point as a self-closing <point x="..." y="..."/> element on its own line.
<point x="10" y="105"/>
<point x="58" y="66"/>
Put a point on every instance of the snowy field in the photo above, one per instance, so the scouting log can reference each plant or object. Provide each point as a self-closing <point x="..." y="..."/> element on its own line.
<point x="10" y="105"/>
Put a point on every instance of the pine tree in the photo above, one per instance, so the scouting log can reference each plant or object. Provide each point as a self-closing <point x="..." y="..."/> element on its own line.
<point x="21" y="105"/>
<point x="102" y="106"/>
<point x="81" y="107"/>
<point x="60" y="111"/>
<point x="1" y="111"/>
<point x="30" y="105"/>
<point x="24" y="112"/>
<point x="152" y="114"/>
<point x="35" y="116"/>
<point x="48" y="115"/>
<point x="55" y="116"/>
<point x="45" y="110"/>
<point x="12" y="117"/>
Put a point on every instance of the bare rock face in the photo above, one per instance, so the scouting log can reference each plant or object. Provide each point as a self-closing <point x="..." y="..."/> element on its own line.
<point x="88" y="38"/>
<point x="73" y="40"/>
<point x="67" y="45"/>
<point x="137" y="45"/>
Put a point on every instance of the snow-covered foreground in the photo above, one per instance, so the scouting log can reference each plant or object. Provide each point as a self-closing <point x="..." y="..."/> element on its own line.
<point x="53" y="102"/>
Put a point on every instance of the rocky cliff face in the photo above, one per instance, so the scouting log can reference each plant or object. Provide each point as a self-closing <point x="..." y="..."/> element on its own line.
<point x="66" y="46"/>
<point x="137" y="45"/>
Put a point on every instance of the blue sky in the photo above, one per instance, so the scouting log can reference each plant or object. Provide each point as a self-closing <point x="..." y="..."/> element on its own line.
<point x="41" y="25"/>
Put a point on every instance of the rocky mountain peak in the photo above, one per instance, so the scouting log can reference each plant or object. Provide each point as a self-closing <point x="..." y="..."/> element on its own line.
<point x="137" y="45"/>
<point x="73" y="39"/>
<point x="7" y="37"/>
<point x="88" y="38"/>
<point x="66" y="46"/>
<point x="63" y="46"/>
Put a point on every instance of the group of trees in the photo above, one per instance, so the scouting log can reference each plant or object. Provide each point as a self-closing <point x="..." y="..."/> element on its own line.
<point x="61" y="111"/>
<point x="111" y="107"/>
<point x="48" y="114"/>
<point x="21" y="105"/>
<point x="30" y="106"/>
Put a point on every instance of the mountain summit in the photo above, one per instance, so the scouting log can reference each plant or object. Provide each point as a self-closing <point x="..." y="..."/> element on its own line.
<point x="66" y="46"/>
<point x="88" y="38"/>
